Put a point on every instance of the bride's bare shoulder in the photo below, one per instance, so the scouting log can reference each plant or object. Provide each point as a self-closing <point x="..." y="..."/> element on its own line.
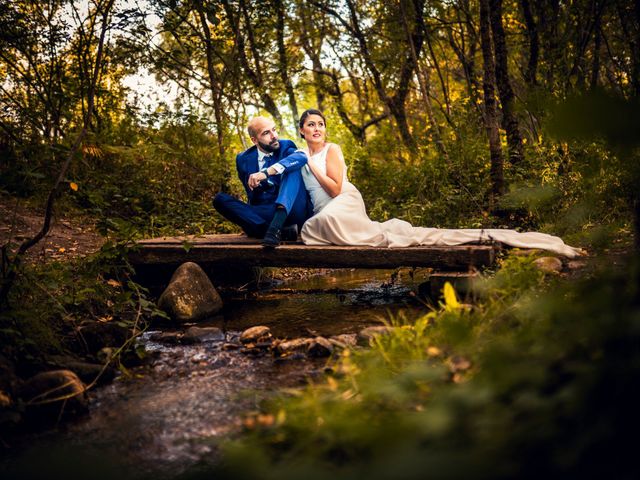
<point x="335" y="149"/>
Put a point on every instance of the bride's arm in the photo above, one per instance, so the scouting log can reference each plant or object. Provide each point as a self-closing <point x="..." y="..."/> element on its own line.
<point x="332" y="181"/>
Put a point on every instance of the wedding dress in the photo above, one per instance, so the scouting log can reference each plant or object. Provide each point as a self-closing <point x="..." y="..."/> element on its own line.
<point x="343" y="220"/>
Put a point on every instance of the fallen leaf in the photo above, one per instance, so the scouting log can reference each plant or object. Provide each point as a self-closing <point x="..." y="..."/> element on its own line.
<point x="73" y="186"/>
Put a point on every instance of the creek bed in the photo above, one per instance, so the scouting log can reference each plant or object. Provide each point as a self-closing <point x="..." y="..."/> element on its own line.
<point x="167" y="416"/>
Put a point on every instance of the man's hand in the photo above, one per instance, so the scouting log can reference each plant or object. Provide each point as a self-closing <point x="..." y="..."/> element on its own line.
<point x="255" y="179"/>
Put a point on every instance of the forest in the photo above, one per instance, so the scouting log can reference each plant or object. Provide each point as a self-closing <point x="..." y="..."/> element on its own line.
<point x="123" y="119"/>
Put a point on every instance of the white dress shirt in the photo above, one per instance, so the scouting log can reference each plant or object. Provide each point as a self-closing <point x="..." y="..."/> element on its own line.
<point x="262" y="159"/>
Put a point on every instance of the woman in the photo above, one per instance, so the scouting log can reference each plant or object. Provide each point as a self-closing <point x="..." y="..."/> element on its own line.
<point x="340" y="217"/>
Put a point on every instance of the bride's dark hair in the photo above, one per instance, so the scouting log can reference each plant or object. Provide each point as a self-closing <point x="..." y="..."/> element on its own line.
<point x="306" y="113"/>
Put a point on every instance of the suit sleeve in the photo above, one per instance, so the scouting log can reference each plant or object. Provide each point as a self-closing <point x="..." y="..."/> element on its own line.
<point x="292" y="159"/>
<point x="242" y="175"/>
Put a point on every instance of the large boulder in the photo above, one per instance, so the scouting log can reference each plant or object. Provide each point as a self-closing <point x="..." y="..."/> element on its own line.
<point x="190" y="296"/>
<point x="50" y="394"/>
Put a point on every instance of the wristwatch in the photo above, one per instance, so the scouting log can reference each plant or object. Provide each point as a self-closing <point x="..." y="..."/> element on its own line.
<point x="266" y="172"/>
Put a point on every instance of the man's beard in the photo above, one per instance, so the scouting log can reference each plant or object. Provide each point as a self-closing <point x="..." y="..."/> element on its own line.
<point x="270" y="147"/>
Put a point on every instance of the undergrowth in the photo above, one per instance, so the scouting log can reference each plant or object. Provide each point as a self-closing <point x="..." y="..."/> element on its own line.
<point x="536" y="380"/>
<point x="50" y="302"/>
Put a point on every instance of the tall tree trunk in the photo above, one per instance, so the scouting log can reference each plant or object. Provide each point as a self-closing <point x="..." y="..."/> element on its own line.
<point x="216" y="88"/>
<point x="394" y="103"/>
<point x="534" y="47"/>
<point x="507" y="98"/>
<point x="629" y="18"/>
<point x="490" y="110"/>
<point x="284" y="64"/>
<point x="550" y="11"/>
<point x="636" y="60"/>
<point x="466" y="57"/>
<point x="253" y="73"/>
<point x="597" y="43"/>
<point x="423" y="81"/>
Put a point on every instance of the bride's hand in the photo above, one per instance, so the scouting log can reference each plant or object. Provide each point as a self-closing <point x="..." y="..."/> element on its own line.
<point x="313" y="164"/>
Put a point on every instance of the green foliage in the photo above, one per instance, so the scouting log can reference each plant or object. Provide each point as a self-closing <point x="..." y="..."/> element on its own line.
<point x="49" y="302"/>
<point x="532" y="382"/>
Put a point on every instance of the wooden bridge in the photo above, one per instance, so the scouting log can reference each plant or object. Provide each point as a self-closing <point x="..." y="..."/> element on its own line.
<point x="238" y="250"/>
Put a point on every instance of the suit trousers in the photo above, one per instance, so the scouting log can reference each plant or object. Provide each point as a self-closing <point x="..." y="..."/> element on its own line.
<point x="255" y="219"/>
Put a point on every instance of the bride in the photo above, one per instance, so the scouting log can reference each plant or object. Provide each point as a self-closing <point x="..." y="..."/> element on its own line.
<point x="340" y="217"/>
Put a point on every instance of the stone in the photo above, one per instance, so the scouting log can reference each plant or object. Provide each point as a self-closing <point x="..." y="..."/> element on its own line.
<point x="47" y="392"/>
<point x="320" y="347"/>
<point x="170" y="338"/>
<point x="458" y="363"/>
<point x="366" y="335"/>
<point x="344" y="340"/>
<point x="190" y="295"/>
<point x="548" y="264"/>
<point x="255" y="334"/>
<point x="299" y="345"/>
<point x="202" y="334"/>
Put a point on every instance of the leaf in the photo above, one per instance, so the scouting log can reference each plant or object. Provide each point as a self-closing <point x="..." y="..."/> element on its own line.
<point x="450" y="299"/>
<point x="114" y="283"/>
<point x="73" y="186"/>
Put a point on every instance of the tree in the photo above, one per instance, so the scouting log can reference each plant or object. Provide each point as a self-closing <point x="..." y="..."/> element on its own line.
<point x="490" y="111"/>
<point x="507" y="98"/>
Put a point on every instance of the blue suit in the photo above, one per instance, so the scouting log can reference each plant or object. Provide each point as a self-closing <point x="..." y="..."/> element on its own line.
<point x="287" y="190"/>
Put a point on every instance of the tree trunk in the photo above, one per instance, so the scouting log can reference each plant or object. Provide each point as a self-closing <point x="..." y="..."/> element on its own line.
<point x="597" y="43"/>
<point x="216" y="88"/>
<point x="423" y="81"/>
<point x="534" y="47"/>
<point x="253" y="74"/>
<point x="284" y="67"/>
<point x="507" y="98"/>
<point x="490" y="111"/>
<point x="550" y="11"/>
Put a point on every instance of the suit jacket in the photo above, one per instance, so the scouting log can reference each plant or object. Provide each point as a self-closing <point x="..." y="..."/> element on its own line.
<point x="247" y="163"/>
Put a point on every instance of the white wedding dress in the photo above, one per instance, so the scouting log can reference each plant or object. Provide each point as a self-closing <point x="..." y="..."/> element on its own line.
<point x="343" y="220"/>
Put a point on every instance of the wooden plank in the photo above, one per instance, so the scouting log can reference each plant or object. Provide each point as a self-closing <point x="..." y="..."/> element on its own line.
<point x="224" y="238"/>
<point x="247" y="252"/>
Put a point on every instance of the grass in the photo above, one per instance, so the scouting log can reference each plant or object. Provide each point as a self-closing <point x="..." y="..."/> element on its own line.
<point x="538" y="379"/>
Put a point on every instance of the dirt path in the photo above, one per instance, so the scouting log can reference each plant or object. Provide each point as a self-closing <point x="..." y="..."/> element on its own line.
<point x="69" y="237"/>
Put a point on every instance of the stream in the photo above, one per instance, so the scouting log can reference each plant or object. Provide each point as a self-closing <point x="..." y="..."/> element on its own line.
<point x="167" y="416"/>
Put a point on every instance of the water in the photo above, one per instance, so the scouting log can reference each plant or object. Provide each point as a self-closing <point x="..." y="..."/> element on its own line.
<point x="344" y="301"/>
<point x="168" y="416"/>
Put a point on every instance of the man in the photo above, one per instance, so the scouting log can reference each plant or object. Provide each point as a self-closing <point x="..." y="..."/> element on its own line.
<point x="270" y="173"/>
